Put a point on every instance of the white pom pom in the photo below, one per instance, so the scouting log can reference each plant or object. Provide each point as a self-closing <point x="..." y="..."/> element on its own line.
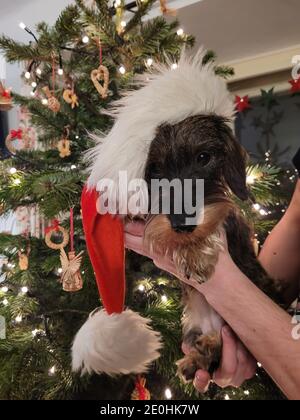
<point x="113" y="344"/>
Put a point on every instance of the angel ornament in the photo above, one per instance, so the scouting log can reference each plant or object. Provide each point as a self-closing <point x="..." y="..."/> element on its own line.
<point x="71" y="278"/>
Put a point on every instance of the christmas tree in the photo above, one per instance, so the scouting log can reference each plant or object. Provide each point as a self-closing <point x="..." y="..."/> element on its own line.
<point x="75" y="69"/>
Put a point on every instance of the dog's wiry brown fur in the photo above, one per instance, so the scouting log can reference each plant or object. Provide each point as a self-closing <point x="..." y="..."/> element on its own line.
<point x="185" y="248"/>
<point x="204" y="147"/>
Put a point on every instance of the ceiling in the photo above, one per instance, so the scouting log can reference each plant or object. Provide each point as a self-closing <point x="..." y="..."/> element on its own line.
<point x="237" y="29"/>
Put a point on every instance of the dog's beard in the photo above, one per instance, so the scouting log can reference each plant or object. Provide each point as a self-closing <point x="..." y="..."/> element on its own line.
<point x="195" y="253"/>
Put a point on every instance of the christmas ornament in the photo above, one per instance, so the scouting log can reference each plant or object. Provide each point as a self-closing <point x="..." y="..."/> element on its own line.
<point x="70" y="97"/>
<point x="165" y="10"/>
<point x="5" y="99"/>
<point x="53" y="103"/>
<point x="242" y="103"/>
<point x="13" y="135"/>
<point x="56" y="228"/>
<point x="63" y="145"/>
<point x="24" y="260"/>
<point x="140" y="391"/>
<point x="71" y="277"/>
<point x="115" y="339"/>
<point x="101" y="74"/>
<point x="295" y="85"/>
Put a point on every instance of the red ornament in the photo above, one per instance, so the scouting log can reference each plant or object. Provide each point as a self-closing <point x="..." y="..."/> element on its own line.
<point x="16" y="134"/>
<point x="295" y="85"/>
<point x="242" y="103"/>
<point x="53" y="228"/>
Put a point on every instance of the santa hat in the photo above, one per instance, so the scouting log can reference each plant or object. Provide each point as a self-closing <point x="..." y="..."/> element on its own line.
<point x="114" y="340"/>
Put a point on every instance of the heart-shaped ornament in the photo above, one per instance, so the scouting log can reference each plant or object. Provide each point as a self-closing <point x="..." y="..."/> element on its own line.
<point x="98" y="75"/>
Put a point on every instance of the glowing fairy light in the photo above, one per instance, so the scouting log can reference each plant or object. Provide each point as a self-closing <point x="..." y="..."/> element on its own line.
<point x="122" y="70"/>
<point x="19" y="319"/>
<point x="141" y="288"/>
<point x="168" y="393"/>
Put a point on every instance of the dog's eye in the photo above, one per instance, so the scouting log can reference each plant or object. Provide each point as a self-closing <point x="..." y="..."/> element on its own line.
<point x="203" y="158"/>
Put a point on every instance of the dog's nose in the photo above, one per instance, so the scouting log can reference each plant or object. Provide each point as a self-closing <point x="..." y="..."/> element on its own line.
<point x="183" y="228"/>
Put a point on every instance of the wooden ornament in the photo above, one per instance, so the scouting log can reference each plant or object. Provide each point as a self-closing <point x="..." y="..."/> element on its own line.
<point x="55" y="227"/>
<point x="166" y="10"/>
<point x="101" y="74"/>
<point x="71" y="278"/>
<point x="71" y="98"/>
<point x="5" y="99"/>
<point x="140" y="391"/>
<point x="53" y="103"/>
<point x="24" y="260"/>
<point x="63" y="147"/>
<point x="13" y="135"/>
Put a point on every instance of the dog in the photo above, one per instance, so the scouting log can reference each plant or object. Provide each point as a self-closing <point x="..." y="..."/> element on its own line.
<point x="204" y="147"/>
<point x="177" y="126"/>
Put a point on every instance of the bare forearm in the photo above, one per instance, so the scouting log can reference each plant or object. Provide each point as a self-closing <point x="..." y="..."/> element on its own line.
<point x="280" y="253"/>
<point x="263" y="327"/>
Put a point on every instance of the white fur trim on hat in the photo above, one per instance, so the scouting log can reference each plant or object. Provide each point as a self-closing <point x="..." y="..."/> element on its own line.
<point x="115" y="344"/>
<point x="168" y="96"/>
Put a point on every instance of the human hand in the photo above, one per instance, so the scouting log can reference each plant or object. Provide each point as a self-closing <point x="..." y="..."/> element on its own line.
<point x="134" y="240"/>
<point x="237" y="364"/>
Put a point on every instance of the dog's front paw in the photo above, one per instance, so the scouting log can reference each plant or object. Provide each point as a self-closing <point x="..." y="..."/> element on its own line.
<point x="205" y="355"/>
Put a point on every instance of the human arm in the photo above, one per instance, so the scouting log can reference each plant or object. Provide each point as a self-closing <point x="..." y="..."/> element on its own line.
<point x="280" y="255"/>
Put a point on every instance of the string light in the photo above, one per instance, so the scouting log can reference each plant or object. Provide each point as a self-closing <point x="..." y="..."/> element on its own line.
<point x="259" y="364"/>
<point x="85" y="39"/>
<point x="73" y="167"/>
<point x="247" y="392"/>
<point x="27" y="75"/>
<point x="117" y="3"/>
<point x="168" y="393"/>
<point x="164" y="299"/>
<point x="174" y="66"/>
<point x="60" y="270"/>
<point x="123" y="24"/>
<point x="227" y="398"/>
<point x="32" y="93"/>
<point x="256" y="206"/>
<point x="141" y="288"/>
<point x="22" y="26"/>
<point x="45" y="101"/>
<point x="149" y="62"/>
<point x="19" y="319"/>
<point x="4" y="289"/>
<point x="60" y="72"/>
<point x="34" y="332"/>
<point x="5" y="302"/>
<point x="38" y="72"/>
<point x="24" y="290"/>
<point x="76" y="137"/>
<point x="180" y="32"/>
<point x="122" y="70"/>
<point x="52" y="371"/>
<point x="12" y="171"/>
<point x="251" y="179"/>
<point x="34" y="84"/>
<point x="263" y="212"/>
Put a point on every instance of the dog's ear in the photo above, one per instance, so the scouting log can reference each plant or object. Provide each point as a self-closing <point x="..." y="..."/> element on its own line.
<point x="235" y="169"/>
